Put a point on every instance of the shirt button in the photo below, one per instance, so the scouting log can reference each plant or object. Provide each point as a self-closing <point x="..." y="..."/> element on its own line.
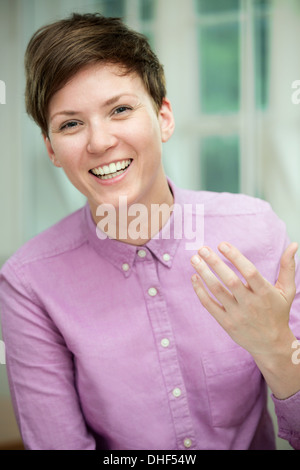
<point x="187" y="443"/>
<point x="142" y="253"/>
<point x="165" y="342"/>
<point x="152" y="291"/>
<point x="166" y="257"/>
<point x="125" y="267"/>
<point x="176" y="392"/>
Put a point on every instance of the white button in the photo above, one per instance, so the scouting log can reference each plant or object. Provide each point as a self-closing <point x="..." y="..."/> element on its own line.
<point x="152" y="291"/>
<point x="125" y="267"/>
<point x="187" y="443"/>
<point x="142" y="253"/>
<point x="166" y="257"/>
<point x="176" y="392"/>
<point x="165" y="342"/>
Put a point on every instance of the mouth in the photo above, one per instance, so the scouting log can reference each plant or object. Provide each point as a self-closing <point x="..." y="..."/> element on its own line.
<point x="112" y="170"/>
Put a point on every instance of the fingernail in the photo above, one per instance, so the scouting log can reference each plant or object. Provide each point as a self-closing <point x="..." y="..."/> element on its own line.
<point x="195" y="259"/>
<point x="224" y="248"/>
<point x="204" y="252"/>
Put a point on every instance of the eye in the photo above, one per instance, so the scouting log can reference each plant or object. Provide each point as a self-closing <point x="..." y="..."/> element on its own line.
<point x="122" y="110"/>
<point x="69" y="125"/>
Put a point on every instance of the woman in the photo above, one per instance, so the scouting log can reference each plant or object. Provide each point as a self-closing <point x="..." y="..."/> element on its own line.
<point x="108" y="346"/>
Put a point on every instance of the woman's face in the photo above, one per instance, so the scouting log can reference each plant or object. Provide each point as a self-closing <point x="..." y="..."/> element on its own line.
<point x="106" y="135"/>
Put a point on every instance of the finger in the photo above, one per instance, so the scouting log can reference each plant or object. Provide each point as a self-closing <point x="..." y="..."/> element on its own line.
<point x="224" y="272"/>
<point x="212" y="282"/>
<point x="286" y="277"/>
<point x="250" y="273"/>
<point x="216" y="310"/>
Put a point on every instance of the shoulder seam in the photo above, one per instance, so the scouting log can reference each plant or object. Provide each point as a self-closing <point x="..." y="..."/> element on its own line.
<point x="46" y="255"/>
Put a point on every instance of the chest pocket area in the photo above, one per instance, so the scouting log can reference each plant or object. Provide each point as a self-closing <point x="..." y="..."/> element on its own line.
<point x="233" y="384"/>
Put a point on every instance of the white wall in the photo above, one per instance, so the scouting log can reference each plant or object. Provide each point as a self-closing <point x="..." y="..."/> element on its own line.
<point x="10" y="125"/>
<point x="280" y="136"/>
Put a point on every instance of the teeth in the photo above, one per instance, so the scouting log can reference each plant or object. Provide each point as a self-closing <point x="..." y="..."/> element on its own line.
<point x="111" y="170"/>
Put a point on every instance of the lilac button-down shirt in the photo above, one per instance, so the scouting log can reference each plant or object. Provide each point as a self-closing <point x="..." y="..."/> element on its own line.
<point x="108" y="347"/>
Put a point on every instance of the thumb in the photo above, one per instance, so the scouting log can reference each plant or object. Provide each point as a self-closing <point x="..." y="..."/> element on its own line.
<point x="286" y="278"/>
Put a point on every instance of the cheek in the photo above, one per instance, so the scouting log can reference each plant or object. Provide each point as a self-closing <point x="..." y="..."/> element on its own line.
<point x="68" y="151"/>
<point x="145" y="136"/>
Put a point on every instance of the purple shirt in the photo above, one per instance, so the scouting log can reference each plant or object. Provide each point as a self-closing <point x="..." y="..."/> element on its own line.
<point x="108" y="346"/>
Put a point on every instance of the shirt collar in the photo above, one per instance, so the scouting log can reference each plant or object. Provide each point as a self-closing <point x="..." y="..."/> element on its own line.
<point x="123" y="255"/>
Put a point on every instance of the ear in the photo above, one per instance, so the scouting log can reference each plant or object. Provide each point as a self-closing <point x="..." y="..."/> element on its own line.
<point x="166" y="120"/>
<point x="50" y="151"/>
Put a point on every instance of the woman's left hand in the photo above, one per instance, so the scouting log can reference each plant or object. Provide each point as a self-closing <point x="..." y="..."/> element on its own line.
<point x="254" y="313"/>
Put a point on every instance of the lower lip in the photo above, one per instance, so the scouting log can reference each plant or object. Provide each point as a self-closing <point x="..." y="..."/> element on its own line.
<point x="114" y="180"/>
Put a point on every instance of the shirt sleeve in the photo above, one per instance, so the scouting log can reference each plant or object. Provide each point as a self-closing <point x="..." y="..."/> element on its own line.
<point x="40" y="371"/>
<point x="288" y="416"/>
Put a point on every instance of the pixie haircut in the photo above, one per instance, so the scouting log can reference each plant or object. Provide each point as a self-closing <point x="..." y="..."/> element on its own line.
<point x="56" y="52"/>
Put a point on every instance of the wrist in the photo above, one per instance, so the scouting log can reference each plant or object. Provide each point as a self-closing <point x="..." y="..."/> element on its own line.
<point x="280" y="371"/>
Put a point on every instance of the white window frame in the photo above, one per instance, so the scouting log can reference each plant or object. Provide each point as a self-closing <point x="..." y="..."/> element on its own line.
<point x="176" y="31"/>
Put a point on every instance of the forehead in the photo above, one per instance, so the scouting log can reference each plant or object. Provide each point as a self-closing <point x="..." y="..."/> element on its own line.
<point x="99" y="81"/>
<point x="104" y="72"/>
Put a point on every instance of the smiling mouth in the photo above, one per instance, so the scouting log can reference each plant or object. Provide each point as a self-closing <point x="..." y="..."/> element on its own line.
<point x="112" y="170"/>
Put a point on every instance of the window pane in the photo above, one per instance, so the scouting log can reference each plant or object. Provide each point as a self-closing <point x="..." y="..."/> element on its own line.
<point x="262" y="5"/>
<point x="217" y="6"/>
<point x="262" y="51"/>
<point x="147" y="9"/>
<point x="219" y="68"/>
<point x="220" y="164"/>
<point x="151" y="38"/>
<point x="114" y="8"/>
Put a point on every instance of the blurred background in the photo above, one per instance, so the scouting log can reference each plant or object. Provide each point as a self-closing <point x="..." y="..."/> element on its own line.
<point x="230" y="68"/>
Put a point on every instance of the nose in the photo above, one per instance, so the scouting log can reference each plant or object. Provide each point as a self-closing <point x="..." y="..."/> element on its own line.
<point x="100" y="138"/>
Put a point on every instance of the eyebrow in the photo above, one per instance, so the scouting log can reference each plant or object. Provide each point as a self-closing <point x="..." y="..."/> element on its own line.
<point x="109" y="102"/>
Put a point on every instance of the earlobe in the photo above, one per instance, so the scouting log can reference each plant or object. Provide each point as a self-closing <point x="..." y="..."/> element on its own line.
<point x="50" y="152"/>
<point x="166" y="119"/>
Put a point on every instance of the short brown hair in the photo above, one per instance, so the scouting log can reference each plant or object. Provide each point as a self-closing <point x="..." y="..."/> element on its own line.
<point x="56" y="52"/>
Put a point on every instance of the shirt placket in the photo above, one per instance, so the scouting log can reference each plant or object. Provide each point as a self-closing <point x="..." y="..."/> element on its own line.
<point x="166" y="348"/>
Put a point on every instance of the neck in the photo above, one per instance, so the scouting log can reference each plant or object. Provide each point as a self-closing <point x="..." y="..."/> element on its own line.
<point x="137" y="223"/>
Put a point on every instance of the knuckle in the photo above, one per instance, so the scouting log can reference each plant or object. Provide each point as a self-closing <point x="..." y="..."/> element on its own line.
<point x="202" y="295"/>
<point x="204" y="299"/>
<point x="217" y="288"/>
<point x="233" y="282"/>
<point x="205" y="303"/>
<point x="252" y="273"/>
